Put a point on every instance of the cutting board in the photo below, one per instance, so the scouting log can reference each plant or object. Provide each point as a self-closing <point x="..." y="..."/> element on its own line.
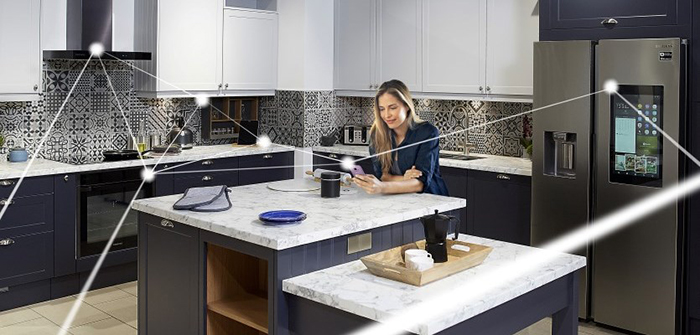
<point x="295" y="185"/>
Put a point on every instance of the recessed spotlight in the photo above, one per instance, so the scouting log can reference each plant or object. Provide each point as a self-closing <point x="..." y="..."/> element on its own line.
<point x="264" y="141"/>
<point x="97" y="49"/>
<point x="611" y="86"/>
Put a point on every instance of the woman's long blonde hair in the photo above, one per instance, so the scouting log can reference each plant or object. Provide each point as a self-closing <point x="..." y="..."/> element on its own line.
<point x="380" y="132"/>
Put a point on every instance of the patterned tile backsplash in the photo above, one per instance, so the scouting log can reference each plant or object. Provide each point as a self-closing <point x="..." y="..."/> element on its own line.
<point x="92" y="121"/>
<point x="300" y="118"/>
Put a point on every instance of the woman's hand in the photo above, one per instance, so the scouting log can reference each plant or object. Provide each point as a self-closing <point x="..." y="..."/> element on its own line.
<point x="412" y="173"/>
<point x="369" y="183"/>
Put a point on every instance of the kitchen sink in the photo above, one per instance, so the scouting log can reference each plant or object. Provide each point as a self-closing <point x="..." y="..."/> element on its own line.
<point x="459" y="157"/>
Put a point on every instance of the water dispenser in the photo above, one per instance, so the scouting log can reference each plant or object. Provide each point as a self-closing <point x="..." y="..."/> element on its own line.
<point x="560" y="154"/>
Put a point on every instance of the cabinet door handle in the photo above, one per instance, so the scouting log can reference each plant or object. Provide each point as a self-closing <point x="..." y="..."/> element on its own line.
<point x="609" y="23"/>
<point x="65" y="178"/>
<point x="208" y="162"/>
<point x="488" y="88"/>
<point x="7" y="182"/>
<point x="221" y="85"/>
<point x="4" y="202"/>
<point x="226" y="86"/>
<point x="36" y="88"/>
<point x="6" y="242"/>
<point x="267" y="157"/>
<point x="481" y="88"/>
<point x="207" y="178"/>
<point x="167" y="223"/>
<point x="503" y="176"/>
<point x="333" y="156"/>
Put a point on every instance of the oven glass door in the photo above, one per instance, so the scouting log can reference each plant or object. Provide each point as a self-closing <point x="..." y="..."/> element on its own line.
<point x="101" y="209"/>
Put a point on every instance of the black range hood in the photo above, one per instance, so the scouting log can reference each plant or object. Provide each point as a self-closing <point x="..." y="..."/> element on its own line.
<point x="87" y="22"/>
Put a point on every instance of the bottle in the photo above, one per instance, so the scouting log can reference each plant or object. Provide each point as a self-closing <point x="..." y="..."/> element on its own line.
<point x="141" y="138"/>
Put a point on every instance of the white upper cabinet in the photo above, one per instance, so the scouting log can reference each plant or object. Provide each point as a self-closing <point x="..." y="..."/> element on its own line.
<point x="512" y="29"/>
<point x="355" y="39"/>
<point x="249" y="50"/>
<point x="20" y="50"/>
<point x="399" y="42"/>
<point x="454" y="38"/>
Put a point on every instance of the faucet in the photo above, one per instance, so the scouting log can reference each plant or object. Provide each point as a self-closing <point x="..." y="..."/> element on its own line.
<point x="465" y="140"/>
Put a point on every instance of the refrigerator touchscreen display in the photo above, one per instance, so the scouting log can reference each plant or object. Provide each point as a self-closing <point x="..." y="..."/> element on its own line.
<point x="635" y="146"/>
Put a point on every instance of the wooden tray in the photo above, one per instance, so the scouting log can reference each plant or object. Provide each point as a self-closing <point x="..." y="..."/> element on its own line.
<point x="389" y="264"/>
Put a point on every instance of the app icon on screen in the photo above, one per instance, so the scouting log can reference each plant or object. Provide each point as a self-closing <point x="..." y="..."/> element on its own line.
<point x="640" y="164"/>
<point x="629" y="162"/>
<point x="619" y="162"/>
<point x="652" y="165"/>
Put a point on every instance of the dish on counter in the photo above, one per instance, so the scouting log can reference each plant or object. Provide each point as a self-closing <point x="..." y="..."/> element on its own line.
<point x="278" y="217"/>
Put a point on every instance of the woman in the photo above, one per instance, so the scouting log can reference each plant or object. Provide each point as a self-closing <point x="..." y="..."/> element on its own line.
<point x="404" y="149"/>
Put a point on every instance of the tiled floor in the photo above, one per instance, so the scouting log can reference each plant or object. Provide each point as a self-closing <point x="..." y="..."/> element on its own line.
<point x="112" y="311"/>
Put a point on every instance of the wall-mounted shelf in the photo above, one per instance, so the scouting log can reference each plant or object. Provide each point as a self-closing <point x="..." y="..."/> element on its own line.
<point x="221" y="119"/>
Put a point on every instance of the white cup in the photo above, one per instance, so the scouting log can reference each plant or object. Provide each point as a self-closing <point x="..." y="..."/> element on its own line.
<point x="413" y="253"/>
<point x="419" y="263"/>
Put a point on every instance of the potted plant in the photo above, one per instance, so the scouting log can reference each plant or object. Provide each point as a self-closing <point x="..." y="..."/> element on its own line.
<point x="526" y="140"/>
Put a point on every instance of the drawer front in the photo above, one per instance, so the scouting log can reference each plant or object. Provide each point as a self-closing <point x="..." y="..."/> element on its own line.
<point x="266" y="172"/>
<point x="25" y="258"/>
<point x="23" y="295"/>
<point x="207" y="164"/>
<point x="27" y="215"/>
<point x="29" y="186"/>
<point x="182" y="182"/>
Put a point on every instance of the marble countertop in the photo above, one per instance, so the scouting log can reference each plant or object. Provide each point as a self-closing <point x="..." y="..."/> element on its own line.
<point x="489" y="163"/>
<point x="42" y="167"/>
<point x="326" y="217"/>
<point x="352" y="288"/>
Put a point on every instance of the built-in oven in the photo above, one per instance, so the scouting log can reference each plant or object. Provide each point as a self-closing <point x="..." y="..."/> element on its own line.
<point x="103" y="198"/>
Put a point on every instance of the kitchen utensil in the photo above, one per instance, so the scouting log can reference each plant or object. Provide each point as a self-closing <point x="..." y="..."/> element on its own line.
<point x="436" y="227"/>
<point x="282" y="216"/>
<point x="327" y="141"/>
<point x="294" y="185"/>
<point x="416" y="253"/>
<point x="330" y="185"/>
<point x="388" y="263"/>
<point x="181" y="135"/>
<point x="17" y="154"/>
<point x="119" y="155"/>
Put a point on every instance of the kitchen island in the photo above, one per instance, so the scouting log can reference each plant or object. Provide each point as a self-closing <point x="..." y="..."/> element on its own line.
<point x="500" y="296"/>
<point x="222" y="273"/>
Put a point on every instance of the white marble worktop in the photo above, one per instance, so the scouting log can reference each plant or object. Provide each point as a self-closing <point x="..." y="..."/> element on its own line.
<point x="326" y="217"/>
<point x="489" y="163"/>
<point x="352" y="288"/>
<point x="42" y="167"/>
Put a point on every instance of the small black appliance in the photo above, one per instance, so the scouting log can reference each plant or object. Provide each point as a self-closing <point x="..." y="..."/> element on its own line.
<point x="437" y="227"/>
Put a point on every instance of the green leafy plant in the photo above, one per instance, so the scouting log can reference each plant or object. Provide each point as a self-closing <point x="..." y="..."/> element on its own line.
<point x="2" y="140"/>
<point x="527" y="144"/>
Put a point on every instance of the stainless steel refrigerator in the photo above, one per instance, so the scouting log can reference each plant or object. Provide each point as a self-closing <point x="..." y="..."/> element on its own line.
<point x="595" y="155"/>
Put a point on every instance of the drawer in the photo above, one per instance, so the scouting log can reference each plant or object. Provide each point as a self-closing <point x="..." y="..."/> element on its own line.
<point x="266" y="172"/>
<point x="25" y="258"/>
<point x="181" y="182"/>
<point x="28" y="215"/>
<point x="207" y="164"/>
<point x="25" y="294"/>
<point x="29" y="186"/>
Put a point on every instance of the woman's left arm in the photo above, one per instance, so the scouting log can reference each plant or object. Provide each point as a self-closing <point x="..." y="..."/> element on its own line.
<point x="372" y="185"/>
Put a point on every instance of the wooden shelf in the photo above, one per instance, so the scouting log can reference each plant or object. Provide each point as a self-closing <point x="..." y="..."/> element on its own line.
<point x="213" y="121"/>
<point x="248" y="309"/>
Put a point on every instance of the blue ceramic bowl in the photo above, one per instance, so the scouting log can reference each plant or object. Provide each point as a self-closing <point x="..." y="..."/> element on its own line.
<point x="18" y="155"/>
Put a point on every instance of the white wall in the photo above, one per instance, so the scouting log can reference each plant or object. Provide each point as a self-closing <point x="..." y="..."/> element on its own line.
<point x="305" y="45"/>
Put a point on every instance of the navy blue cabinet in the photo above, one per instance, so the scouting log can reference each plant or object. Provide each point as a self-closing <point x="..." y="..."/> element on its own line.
<point x="456" y="180"/>
<point x="329" y="161"/>
<point x="265" y="168"/>
<point x="498" y="206"/>
<point x="169" y="257"/>
<point x="601" y="19"/>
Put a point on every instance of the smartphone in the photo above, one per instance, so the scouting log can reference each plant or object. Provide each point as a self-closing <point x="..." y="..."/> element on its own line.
<point x="356" y="170"/>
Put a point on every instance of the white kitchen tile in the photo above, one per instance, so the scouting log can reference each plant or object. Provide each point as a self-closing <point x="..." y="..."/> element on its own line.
<point x="17" y="316"/>
<point x="123" y="309"/>
<point x="104" y="295"/>
<point x="57" y="310"/>
<point x="40" y="326"/>
<point x="109" y="326"/>
<point x="131" y="288"/>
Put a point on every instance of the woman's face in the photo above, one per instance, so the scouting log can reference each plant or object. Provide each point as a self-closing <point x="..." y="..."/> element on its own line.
<point x="392" y="110"/>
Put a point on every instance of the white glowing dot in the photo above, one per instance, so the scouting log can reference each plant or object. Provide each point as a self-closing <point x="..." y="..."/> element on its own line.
<point x="202" y="100"/>
<point x="97" y="49"/>
<point x="148" y="175"/>
<point x="347" y="163"/>
<point x="264" y="141"/>
<point x="611" y="86"/>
